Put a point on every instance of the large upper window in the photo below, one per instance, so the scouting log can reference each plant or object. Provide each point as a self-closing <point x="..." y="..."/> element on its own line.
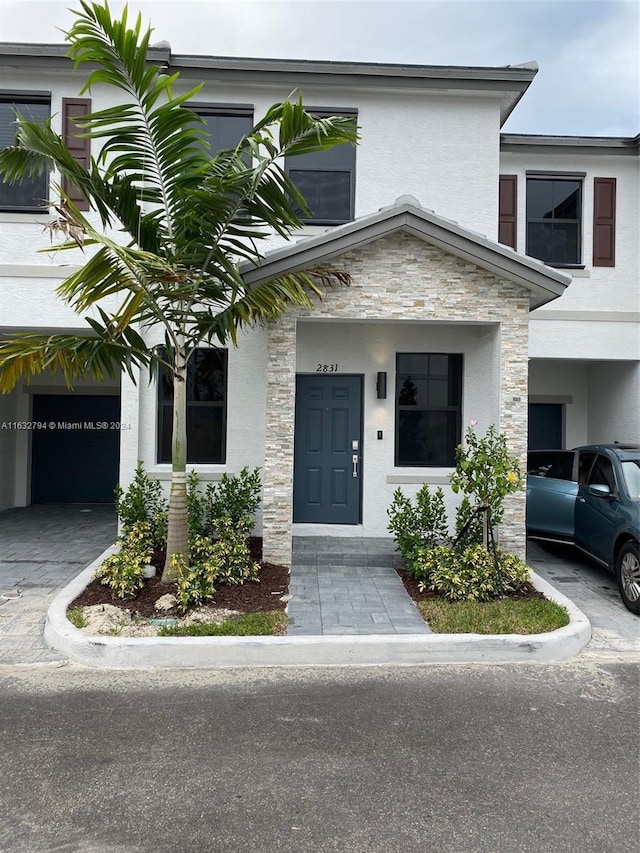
<point x="226" y="124"/>
<point x="206" y="408"/>
<point x="31" y="193"/>
<point x="326" y="179"/>
<point x="428" y="408"/>
<point x="554" y="212"/>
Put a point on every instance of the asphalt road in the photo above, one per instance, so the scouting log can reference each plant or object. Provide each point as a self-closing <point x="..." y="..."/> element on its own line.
<point x="450" y="759"/>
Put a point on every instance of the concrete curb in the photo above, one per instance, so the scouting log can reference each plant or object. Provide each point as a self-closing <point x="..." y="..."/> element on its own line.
<point x="371" y="650"/>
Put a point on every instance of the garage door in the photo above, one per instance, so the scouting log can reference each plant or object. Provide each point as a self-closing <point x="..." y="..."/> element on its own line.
<point x="75" y="454"/>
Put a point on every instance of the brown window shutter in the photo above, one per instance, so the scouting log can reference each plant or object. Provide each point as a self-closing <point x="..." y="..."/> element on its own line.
<point x="507" y="209"/>
<point x="604" y="222"/>
<point x="80" y="148"/>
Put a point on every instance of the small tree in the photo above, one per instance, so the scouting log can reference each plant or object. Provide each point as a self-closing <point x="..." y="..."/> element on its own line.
<point x="188" y="220"/>
<point x="486" y="472"/>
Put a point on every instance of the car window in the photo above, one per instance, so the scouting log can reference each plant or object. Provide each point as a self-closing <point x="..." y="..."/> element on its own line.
<point x="631" y="474"/>
<point x="556" y="464"/>
<point x="602" y="473"/>
<point x="584" y="465"/>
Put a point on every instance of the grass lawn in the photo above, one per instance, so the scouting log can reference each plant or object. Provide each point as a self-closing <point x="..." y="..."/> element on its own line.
<point x="258" y="624"/>
<point x="503" y="616"/>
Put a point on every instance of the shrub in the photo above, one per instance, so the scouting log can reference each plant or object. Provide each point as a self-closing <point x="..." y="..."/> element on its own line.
<point x="230" y="553"/>
<point x="234" y="498"/>
<point x="195" y="583"/>
<point x="418" y="526"/>
<point x="143" y="502"/>
<point x="473" y="574"/>
<point x="123" y="572"/>
<point x="468" y="525"/>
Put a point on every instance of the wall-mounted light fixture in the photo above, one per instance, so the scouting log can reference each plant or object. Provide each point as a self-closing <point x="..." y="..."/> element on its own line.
<point x="381" y="385"/>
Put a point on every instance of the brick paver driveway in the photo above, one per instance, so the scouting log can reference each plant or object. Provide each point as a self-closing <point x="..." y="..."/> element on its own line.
<point x="41" y="549"/>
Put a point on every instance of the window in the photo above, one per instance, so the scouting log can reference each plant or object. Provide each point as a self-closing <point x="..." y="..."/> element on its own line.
<point x="226" y="124"/>
<point x="554" y="210"/>
<point x="326" y="179"/>
<point x="31" y="193"/>
<point x="602" y="474"/>
<point x="428" y="408"/>
<point x="206" y="408"/>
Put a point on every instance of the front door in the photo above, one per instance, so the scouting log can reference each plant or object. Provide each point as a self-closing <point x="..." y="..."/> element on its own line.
<point x="328" y="449"/>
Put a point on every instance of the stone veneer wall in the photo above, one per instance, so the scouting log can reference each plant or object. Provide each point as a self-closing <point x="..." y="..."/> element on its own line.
<point x="396" y="278"/>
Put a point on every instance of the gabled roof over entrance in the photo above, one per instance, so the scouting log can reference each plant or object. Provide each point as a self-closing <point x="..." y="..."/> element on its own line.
<point x="408" y="216"/>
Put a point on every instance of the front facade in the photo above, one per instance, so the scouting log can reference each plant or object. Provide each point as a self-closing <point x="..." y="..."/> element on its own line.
<point x="442" y="324"/>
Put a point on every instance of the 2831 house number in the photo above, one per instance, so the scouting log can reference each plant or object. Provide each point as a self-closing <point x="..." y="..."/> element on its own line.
<point x="327" y="368"/>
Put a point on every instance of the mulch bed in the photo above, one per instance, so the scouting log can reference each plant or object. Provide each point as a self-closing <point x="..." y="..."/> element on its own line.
<point x="526" y="591"/>
<point x="251" y="597"/>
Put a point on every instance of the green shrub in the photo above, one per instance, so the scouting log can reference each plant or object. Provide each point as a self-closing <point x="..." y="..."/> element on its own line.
<point x="230" y="554"/>
<point x="466" y="517"/>
<point x="234" y="498"/>
<point x="417" y="526"/>
<point x="473" y="574"/>
<point x="143" y="501"/>
<point x="123" y="572"/>
<point x="195" y="583"/>
<point x="196" y="508"/>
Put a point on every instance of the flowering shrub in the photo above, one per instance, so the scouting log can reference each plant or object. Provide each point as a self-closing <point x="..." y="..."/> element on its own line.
<point x="486" y="471"/>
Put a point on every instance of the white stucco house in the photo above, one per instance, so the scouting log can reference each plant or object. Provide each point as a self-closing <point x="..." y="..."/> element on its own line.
<point x="495" y="277"/>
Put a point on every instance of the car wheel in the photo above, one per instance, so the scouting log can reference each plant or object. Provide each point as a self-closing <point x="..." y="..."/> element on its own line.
<point x="628" y="575"/>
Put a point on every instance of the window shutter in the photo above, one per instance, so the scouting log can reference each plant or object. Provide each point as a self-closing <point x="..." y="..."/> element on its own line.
<point x="73" y="108"/>
<point x="604" y="222"/>
<point x="507" y="207"/>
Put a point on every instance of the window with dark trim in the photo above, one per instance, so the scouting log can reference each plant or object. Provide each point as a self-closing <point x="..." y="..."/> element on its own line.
<point x="428" y="408"/>
<point x="206" y="408"/>
<point x="226" y="124"/>
<point x="326" y="179"/>
<point x="31" y="194"/>
<point x="554" y="215"/>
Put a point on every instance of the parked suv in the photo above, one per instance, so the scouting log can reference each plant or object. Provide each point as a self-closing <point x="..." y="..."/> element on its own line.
<point x="590" y="497"/>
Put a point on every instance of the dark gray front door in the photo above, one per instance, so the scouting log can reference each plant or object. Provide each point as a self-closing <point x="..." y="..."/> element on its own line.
<point x="545" y="426"/>
<point x="328" y="449"/>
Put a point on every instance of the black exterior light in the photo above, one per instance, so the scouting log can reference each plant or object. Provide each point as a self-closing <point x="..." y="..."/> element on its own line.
<point x="381" y="385"/>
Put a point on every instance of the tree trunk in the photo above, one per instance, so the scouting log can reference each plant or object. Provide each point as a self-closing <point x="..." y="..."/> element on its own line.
<point x="485" y="528"/>
<point x="177" y="533"/>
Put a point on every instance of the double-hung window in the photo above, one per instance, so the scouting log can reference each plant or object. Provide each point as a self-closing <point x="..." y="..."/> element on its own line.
<point x="428" y="408"/>
<point x="554" y="218"/>
<point x="206" y="408"/>
<point x="32" y="193"/>
<point x="326" y="179"/>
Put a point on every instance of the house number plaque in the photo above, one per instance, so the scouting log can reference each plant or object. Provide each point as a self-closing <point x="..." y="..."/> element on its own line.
<point x="327" y="368"/>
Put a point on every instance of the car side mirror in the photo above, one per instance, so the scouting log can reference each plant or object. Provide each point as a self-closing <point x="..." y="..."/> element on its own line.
<point x="600" y="490"/>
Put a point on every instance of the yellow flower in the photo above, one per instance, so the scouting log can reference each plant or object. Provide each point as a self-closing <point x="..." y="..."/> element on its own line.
<point x="512" y="477"/>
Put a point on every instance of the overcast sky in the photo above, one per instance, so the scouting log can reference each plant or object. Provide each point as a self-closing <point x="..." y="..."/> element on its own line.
<point x="588" y="50"/>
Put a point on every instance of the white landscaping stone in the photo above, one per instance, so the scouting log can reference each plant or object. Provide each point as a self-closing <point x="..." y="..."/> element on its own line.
<point x="103" y="618"/>
<point x="166" y="603"/>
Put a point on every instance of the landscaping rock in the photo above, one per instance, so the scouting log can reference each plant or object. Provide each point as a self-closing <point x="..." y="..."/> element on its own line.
<point x="166" y="603"/>
<point x="207" y="615"/>
<point x="104" y="618"/>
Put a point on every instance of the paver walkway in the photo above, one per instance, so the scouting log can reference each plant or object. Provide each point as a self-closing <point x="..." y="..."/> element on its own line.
<point x="41" y="549"/>
<point x="348" y="586"/>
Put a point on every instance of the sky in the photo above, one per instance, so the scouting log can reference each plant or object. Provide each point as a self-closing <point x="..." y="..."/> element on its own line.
<point x="588" y="50"/>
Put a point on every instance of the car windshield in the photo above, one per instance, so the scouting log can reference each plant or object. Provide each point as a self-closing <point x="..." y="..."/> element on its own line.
<point x="631" y="473"/>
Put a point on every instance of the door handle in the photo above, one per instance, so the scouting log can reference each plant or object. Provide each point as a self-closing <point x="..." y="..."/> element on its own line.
<point x="354" y="462"/>
<point x="581" y="501"/>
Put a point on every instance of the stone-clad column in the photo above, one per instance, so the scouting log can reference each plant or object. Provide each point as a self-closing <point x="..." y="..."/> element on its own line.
<point x="277" y="504"/>
<point x="514" y="368"/>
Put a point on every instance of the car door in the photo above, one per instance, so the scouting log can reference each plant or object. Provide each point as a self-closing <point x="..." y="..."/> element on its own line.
<point x="551" y="494"/>
<point x="597" y="515"/>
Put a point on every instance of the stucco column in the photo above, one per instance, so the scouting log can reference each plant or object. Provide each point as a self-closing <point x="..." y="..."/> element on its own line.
<point x="514" y="367"/>
<point x="277" y="503"/>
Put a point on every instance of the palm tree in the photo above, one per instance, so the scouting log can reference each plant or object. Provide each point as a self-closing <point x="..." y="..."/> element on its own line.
<point x="189" y="219"/>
